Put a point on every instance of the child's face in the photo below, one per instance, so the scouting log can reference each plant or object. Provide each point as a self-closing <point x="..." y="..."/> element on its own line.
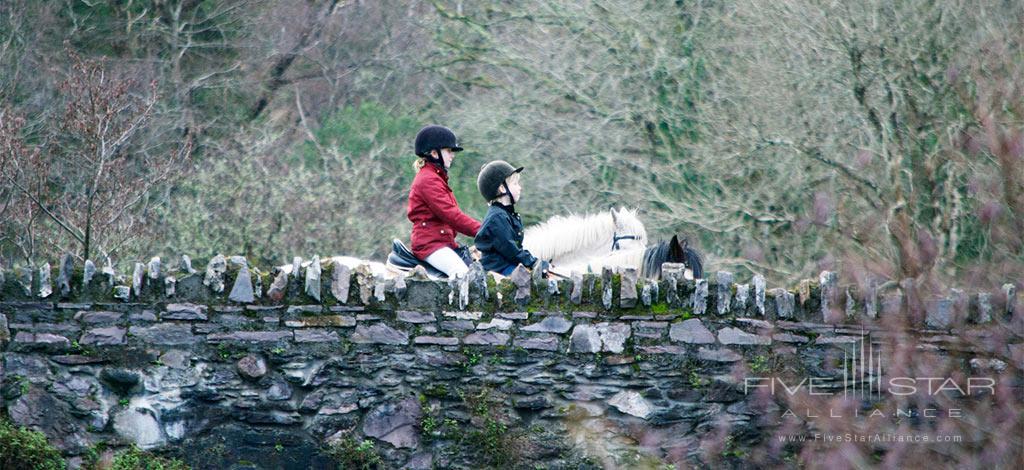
<point x="447" y="156"/>
<point x="513" y="186"/>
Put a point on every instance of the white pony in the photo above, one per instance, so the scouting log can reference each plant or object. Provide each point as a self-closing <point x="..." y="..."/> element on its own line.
<point x="573" y="239"/>
<point x="562" y="240"/>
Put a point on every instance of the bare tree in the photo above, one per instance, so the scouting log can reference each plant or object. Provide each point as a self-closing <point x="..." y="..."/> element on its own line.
<point x="90" y="170"/>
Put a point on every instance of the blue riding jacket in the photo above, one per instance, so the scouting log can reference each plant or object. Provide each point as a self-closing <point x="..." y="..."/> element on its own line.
<point x="500" y="240"/>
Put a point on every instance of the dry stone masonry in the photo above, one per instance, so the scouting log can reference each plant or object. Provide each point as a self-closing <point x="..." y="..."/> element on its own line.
<point x="232" y="363"/>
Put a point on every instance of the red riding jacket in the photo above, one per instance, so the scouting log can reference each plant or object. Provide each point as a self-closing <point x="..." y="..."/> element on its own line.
<point x="435" y="213"/>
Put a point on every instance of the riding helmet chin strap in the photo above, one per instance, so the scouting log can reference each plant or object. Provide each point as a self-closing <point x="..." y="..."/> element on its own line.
<point x="508" y="192"/>
<point x="438" y="161"/>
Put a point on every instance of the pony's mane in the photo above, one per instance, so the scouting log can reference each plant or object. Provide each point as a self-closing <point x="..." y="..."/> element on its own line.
<point x="566" y="234"/>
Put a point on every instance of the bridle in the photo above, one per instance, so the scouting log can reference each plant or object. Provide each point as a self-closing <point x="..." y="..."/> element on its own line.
<point x="616" y="237"/>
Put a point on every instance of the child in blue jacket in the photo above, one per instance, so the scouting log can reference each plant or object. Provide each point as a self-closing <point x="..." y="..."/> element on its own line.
<point x="500" y="238"/>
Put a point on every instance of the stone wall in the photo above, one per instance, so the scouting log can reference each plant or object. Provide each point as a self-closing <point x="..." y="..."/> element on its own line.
<point x="237" y="367"/>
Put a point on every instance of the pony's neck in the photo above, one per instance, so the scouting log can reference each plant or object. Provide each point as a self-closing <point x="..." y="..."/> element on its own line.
<point x="560" y="236"/>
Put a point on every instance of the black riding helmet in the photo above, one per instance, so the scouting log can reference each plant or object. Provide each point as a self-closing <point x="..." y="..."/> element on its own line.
<point x="435" y="138"/>
<point x="492" y="176"/>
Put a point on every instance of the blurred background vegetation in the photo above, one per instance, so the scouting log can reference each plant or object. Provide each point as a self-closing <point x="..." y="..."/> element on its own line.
<point x="879" y="139"/>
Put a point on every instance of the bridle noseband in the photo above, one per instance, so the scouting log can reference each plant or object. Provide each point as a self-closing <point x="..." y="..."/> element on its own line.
<point x="616" y="237"/>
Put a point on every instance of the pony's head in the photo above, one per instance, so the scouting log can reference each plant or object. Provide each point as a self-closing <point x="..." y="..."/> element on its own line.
<point x="629" y="231"/>
<point x="672" y="251"/>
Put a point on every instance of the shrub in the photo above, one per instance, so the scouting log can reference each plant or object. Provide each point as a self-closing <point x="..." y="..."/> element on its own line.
<point x="135" y="459"/>
<point x="350" y="454"/>
<point x="24" y="448"/>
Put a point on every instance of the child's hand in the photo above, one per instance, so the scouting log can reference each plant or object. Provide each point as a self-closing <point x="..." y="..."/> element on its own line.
<point x="475" y="253"/>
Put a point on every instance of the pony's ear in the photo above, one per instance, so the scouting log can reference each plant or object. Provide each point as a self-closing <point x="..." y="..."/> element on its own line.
<point x="675" y="250"/>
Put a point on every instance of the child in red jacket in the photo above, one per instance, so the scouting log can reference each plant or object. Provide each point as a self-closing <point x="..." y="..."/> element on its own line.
<point x="433" y="210"/>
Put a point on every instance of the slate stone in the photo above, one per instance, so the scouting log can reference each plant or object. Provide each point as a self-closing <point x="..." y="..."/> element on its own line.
<point x="87" y="273"/>
<point x="631" y="403"/>
<point x="458" y="325"/>
<point x="169" y="334"/>
<point x="718" y="355"/>
<point x="185" y="312"/>
<point x="185" y="265"/>
<point x="279" y="287"/>
<point x="613" y="336"/>
<point x="279" y="391"/>
<point x="939" y="313"/>
<point x="137" y="278"/>
<point x="214" y="275"/>
<point x="395" y="423"/>
<point x="170" y="285"/>
<point x="521" y="278"/>
<point x="339" y="321"/>
<point x="242" y="292"/>
<point x="67" y="266"/>
<point x="496" y="323"/>
<point x="103" y="336"/>
<point x="415" y="316"/>
<point x="486" y="339"/>
<point x="700" y="297"/>
<point x="437" y="340"/>
<point x="99" y="318"/>
<point x="785" y="303"/>
<point x="43" y="341"/>
<point x="250" y="336"/>
<point x="576" y="293"/>
<point x="829" y="297"/>
<point x="121" y="380"/>
<point x="252" y="367"/>
<point x="122" y="292"/>
<point x="732" y="335"/>
<point x="606" y="287"/>
<point x="627" y="290"/>
<point x="739" y="302"/>
<point x="45" y="287"/>
<point x="140" y="427"/>
<point x="543" y="343"/>
<point x="584" y="339"/>
<point x="379" y="333"/>
<point x="984" y="314"/>
<point x="313" y="272"/>
<point x="153" y="268"/>
<point x="24" y="279"/>
<point x="691" y="331"/>
<point x="316" y="336"/>
<point x="723" y="295"/>
<point x="552" y="324"/>
<point x="759" y="292"/>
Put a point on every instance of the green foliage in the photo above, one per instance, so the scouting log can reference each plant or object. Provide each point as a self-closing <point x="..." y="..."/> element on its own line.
<point x="356" y="133"/>
<point x="488" y="434"/>
<point x="135" y="459"/>
<point x="346" y="186"/>
<point x="759" y="363"/>
<point x="24" y="448"/>
<point x="696" y="381"/>
<point x="350" y="454"/>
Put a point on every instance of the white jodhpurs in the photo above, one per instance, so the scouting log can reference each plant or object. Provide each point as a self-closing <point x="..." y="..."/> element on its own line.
<point x="448" y="262"/>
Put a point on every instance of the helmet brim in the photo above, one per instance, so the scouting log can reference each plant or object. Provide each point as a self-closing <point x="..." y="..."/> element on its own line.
<point x="518" y="170"/>
<point x="457" y="149"/>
